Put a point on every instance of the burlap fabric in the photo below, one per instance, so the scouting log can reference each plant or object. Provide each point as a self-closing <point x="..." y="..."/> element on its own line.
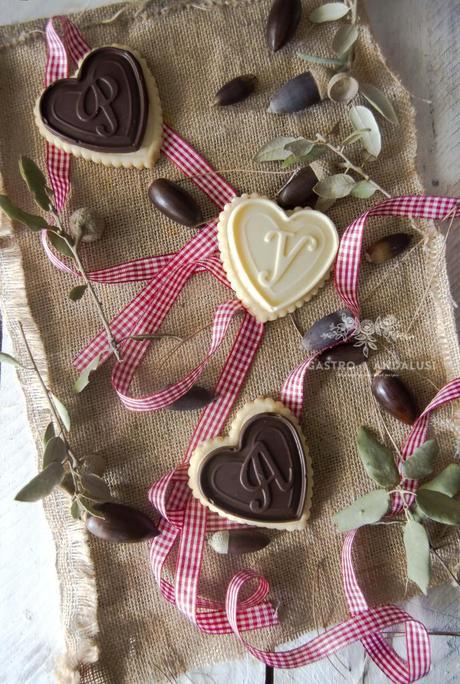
<point x="192" y="49"/>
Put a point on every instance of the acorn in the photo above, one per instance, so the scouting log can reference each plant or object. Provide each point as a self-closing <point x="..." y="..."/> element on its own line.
<point x="236" y="90"/>
<point x="85" y="225"/>
<point x="329" y="330"/>
<point x="388" y="248"/>
<point x="298" y="190"/>
<point x="282" y="22"/>
<point x="296" y="95"/>
<point x="175" y="202"/>
<point x="394" y="396"/>
<point x="238" y="542"/>
<point x="346" y="353"/>
<point x="196" y="398"/>
<point x="121" y="523"/>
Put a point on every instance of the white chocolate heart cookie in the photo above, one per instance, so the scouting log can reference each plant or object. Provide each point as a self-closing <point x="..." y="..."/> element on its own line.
<point x="275" y="261"/>
<point x="260" y="474"/>
<point x="108" y="112"/>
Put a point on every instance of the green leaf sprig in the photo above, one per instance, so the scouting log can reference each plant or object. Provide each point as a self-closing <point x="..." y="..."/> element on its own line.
<point x="61" y="240"/>
<point x="301" y="151"/>
<point x="434" y="499"/>
<point x="61" y="467"/>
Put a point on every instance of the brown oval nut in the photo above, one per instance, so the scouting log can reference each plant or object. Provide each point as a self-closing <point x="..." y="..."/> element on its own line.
<point x="388" y="247"/>
<point x="121" y="523"/>
<point x="394" y="396"/>
<point x="238" y="542"/>
<point x="295" y="95"/>
<point x="344" y="354"/>
<point x="329" y="331"/>
<point x="282" y="22"/>
<point x="175" y="202"/>
<point x="196" y="398"/>
<point x="236" y="90"/>
<point x="298" y="191"/>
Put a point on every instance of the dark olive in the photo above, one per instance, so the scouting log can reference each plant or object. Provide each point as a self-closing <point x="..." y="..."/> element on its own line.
<point x="282" y="22"/>
<point x="346" y="353"/>
<point x="329" y="331"/>
<point x="196" y="398"/>
<point x="121" y="523"/>
<point x="175" y="202"/>
<point x="394" y="396"/>
<point x="388" y="247"/>
<point x="295" y="95"/>
<point x="298" y="191"/>
<point x="236" y="90"/>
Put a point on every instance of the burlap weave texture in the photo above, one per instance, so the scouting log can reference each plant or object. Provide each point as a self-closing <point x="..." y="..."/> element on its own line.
<point x="192" y="48"/>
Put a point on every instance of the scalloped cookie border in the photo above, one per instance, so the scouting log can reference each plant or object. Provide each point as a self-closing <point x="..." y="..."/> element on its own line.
<point x="143" y="158"/>
<point x="260" y="405"/>
<point x="261" y="314"/>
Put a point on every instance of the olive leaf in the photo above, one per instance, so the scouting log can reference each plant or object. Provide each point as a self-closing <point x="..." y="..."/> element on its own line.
<point x="446" y="482"/>
<point x="421" y="462"/>
<point x="77" y="292"/>
<point x="362" y="117"/>
<point x="323" y="204"/>
<point x="55" y="451"/>
<point x="366" y="510"/>
<point x="331" y="11"/>
<point x="377" y="459"/>
<point x="10" y="360"/>
<point x="49" y="432"/>
<point x="300" y="147"/>
<point x="334" y="187"/>
<point x="275" y="150"/>
<point x="325" y="61"/>
<point x="290" y="161"/>
<point x="60" y="244"/>
<point x="439" y="507"/>
<point x="345" y="38"/>
<point x="62" y="411"/>
<point x="88" y="506"/>
<point x="35" y="181"/>
<point x="13" y="212"/>
<point x="364" y="189"/>
<point x="95" y="488"/>
<point x="83" y="379"/>
<point x="379" y="101"/>
<point x="67" y="484"/>
<point x="417" y="548"/>
<point x="75" y="510"/>
<point x="42" y="484"/>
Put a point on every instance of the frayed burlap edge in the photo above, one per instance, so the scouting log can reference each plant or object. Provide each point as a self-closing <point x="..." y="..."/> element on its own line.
<point x="82" y="626"/>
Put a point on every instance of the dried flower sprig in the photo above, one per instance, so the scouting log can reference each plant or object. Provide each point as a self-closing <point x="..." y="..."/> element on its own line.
<point x="80" y="477"/>
<point x="434" y="500"/>
<point x="61" y="239"/>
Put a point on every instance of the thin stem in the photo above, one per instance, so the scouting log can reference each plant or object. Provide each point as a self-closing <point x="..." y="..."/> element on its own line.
<point x="74" y="249"/>
<point x="353" y="167"/>
<point x="47" y="393"/>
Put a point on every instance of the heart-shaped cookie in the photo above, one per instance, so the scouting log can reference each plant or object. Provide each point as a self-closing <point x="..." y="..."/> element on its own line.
<point x="275" y="261"/>
<point x="261" y="473"/>
<point x="109" y="112"/>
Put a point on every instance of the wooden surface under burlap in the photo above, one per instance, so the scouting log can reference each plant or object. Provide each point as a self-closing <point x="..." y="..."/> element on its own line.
<point x="192" y="49"/>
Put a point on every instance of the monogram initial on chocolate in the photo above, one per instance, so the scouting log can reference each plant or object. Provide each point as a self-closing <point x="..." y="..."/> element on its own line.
<point x="264" y="477"/>
<point x="105" y="108"/>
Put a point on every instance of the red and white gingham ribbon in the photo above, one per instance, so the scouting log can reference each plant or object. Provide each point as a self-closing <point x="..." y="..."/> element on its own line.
<point x="185" y="521"/>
